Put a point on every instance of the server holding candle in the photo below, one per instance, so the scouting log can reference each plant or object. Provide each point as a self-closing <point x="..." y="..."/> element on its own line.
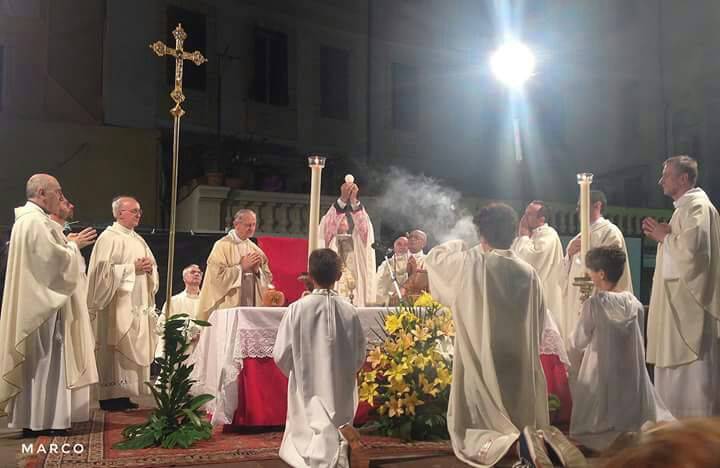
<point x="595" y="231"/>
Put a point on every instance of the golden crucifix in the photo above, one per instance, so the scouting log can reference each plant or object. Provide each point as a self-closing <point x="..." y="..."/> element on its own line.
<point x="177" y="112"/>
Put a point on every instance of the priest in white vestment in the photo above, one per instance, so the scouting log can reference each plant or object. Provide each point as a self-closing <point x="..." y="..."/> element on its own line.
<point x="539" y="245"/>
<point x="394" y="266"/>
<point x="320" y="347"/>
<point x="602" y="233"/>
<point x="80" y="328"/>
<point x="123" y="280"/>
<point x="613" y="392"/>
<point x="497" y="302"/>
<point x="237" y="269"/>
<point x="185" y="302"/>
<point x="417" y="240"/>
<point x="346" y="228"/>
<point x="684" y="315"/>
<point x="43" y="328"/>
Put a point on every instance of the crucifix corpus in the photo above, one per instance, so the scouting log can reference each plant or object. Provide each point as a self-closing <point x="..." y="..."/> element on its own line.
<point x="177" y="112"/>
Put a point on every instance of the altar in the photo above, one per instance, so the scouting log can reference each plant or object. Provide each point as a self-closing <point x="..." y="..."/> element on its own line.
<point x="233" y="362"/>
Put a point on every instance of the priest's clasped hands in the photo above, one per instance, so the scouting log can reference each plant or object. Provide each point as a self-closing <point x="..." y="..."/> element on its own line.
<point x="251" y="262"/>
<point x="144" y="265"/>
<point x="654" y="230"/>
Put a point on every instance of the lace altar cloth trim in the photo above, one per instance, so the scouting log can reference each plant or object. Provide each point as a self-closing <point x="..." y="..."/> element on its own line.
<point x="255" y="343"/>
<point x="552" y="344"/>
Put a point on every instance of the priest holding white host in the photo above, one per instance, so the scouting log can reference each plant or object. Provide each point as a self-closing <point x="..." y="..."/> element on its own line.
<point x="346" y="228"/>
<point x="123" y="281"/>
<point x="44" y="325"/>
<point x="684" y="315"/>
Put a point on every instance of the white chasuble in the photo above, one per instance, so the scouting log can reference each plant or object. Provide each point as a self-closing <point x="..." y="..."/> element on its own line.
<point x="543" y="250"/>
<point x="40" y="365"/>
<point x="123" y="302"/>
<point x="225" y="285"/>
<point x="498" y="384"/>
<point x="684" y="315"/>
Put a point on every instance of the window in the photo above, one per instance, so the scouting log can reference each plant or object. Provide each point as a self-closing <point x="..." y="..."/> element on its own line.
<point x="334" y="83"/>
<point x="195" y="25"/>
<point x="404" y="97"/>
<point x="270" y="82"/>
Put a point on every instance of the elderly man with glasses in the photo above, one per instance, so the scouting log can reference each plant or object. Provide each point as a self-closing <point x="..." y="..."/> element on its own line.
<point x="122" y="282"/>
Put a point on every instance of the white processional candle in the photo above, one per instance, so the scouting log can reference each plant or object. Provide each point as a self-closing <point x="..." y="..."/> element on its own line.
<point x="316" y="164"/>
<point x="584" y="180"/>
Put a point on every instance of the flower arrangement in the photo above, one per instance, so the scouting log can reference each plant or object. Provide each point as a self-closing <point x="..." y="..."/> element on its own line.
<point x="407" y="377"/>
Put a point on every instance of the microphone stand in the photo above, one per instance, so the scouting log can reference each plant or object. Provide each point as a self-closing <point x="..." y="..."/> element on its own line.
<point x="393" y="276"/>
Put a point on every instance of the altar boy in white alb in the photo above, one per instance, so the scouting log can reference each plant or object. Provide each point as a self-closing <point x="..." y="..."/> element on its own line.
<point x="613" y="392"/>
<point x="320" y="346"/>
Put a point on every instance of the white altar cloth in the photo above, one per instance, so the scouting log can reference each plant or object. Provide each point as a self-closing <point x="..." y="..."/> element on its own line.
<point x="249" y="332"/>
<point x="246" y="332"/>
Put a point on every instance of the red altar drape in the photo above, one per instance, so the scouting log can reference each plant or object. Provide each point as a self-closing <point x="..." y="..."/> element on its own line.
<point x="262" y="395"/>
<point x="287" y="258"/>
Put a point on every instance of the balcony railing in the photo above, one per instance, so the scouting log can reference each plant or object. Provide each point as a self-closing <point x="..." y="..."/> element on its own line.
<point x="210" y="209"/>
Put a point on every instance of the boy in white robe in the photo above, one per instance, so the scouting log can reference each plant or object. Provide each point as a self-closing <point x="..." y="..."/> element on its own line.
<point x="320" y="346"/>
<point x="613" y="392"/>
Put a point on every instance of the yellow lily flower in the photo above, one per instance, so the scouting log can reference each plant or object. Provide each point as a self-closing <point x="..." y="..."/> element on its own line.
<point x="411" y="402"/>
<point x="396" y="372"/>
<point x="428" y="387"/>
<point x="398" y="386"/>
<point x="424" y="300"/>
<point x="393" y="322"/>
<point x="405" y="340"/>
<point x="421" y="333"/>
<point x="444" y="378"/>
<point x="376" y="357"/>
<point x="395" y="407"/>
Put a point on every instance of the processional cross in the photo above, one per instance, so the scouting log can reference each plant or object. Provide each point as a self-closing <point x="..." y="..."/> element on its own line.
<point x="177" y="112"/>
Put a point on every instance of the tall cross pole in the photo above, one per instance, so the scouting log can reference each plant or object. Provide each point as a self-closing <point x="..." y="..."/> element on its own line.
<point x="177" y="112"/>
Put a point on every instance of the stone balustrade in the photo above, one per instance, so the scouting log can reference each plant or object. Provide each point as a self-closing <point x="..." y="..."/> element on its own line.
<point x="210" y="209"/>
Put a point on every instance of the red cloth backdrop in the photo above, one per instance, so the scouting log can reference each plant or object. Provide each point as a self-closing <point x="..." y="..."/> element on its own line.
<point x="262" y="396"/>
<point x="557" y="384"/>
<point x="287" y="257"/>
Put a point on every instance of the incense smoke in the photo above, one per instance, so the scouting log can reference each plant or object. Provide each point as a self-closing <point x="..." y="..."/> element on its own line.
<point x="416" y="201"/>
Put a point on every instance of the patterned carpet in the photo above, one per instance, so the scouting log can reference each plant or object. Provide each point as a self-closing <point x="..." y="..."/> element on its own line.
<point x="98" y="436"/>
<point x="90" y="445"/>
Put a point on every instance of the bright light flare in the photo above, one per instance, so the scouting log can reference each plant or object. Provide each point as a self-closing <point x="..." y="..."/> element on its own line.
<point x="512" y="64"/>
